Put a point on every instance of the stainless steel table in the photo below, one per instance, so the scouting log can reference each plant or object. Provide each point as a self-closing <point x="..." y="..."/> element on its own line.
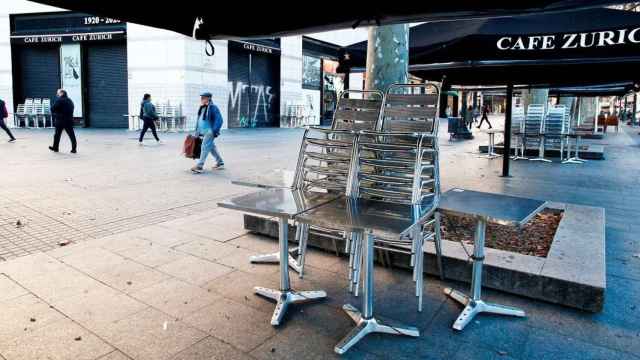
<point x="284" y="204"/>
<point x="277" y="179"/>
<point x="367" y="219"/>
<point x="490" y="149"/>
<point x="485" y="207"/>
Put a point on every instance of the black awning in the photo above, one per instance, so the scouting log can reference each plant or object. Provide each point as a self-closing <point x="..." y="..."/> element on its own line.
<point x="240" y="20"/>
<point x="587" y="46"/>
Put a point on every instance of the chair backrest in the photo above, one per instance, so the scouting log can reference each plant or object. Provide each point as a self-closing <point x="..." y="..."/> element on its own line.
<point x="28" y="106"/>
<point x="357" y="110"/>
<point x="395" y="168"/>
<point x="20" y="110"/>
<point x="37" y="107"/>
<point x="46" y="106"/>
<point x="517" y="119"/>
<point x="554" y="123"/>
<point x="534" y="120"/>
<point x="160" y="109"/>
<point x="410" y="108"/>
<point x="170" y="111"/>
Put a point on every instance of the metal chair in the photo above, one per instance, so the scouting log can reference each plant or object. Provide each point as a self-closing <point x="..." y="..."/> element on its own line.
<point x="29" y="111"/>
<point x="322" y="162"/>
<point x="20" y="116"/>
<point x="46" y="113"/>
<point x="534" y="131"/>
<point x="401" y="166"/>
<point x="554" y="128"/>
<point x="517" y="133"/>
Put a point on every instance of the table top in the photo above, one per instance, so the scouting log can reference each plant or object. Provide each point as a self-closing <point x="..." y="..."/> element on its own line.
<point x="503" y="209"/>
<point x="493" y="131"/>
<point x="270" y="180"/>
<point x="384" y="219"/>
<point x="278" y="202"/>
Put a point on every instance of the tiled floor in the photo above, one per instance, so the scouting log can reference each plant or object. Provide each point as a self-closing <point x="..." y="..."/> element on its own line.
<point x="156" y="271"/>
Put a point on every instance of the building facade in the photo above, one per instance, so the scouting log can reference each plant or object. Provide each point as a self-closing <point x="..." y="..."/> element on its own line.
<point x="107" y="65"/>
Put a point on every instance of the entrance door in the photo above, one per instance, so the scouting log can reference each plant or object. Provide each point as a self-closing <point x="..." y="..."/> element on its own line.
<point x="254" y="99"/>
<point x="107" y="86"/>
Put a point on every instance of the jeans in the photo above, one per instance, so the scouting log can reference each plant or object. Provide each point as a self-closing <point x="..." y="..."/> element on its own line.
<point x="4" y="127"/>
<point x="148" y="124"/>
<point x="68" y="127"/>
<point x="209" y="146"/>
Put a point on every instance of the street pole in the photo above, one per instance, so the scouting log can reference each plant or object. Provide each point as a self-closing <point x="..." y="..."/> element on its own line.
<point x="387" y="56"/>
<point x="444" y="98"/>
<point x="506" y="153"/>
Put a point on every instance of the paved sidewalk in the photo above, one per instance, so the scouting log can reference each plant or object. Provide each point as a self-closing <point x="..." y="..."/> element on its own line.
<point x="156" y="271"/>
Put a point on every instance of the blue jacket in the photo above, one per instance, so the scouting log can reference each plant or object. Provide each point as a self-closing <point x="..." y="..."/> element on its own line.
<point x="213" y="116"/>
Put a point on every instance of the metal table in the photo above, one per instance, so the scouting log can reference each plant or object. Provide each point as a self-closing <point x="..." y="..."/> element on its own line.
<point x="490" y="149"/>
<point x="284" y="204"/>
<point x="277" y="179"/>
<point x="576" y="157"/>
<point x="484" y="207"/>
<point x="367" y="219"/>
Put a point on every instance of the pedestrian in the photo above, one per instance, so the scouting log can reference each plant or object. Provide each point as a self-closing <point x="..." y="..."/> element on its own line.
<point x="62" y="111"/>
<point x="485" y="116"/>
<point x="476" y="113"/>
<point x="3" y="115"/>
<point x="149" y="116"/>
<point x="468" y="116"/>
<point x="208" y="125"/>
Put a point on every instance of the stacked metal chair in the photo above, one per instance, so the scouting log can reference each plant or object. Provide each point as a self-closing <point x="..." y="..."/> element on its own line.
<point x="29" y="111"/>
<point x="399" y="164"/>
<point x="47" y="118"/>
<point x="20" y="116"/>
<point x="324" y="162"/>
<point x="534" y="130"/>
<point x="517" y="132"/>
<point x="554" y="128"/>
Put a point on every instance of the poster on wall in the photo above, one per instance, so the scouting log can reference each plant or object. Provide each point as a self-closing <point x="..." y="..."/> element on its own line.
<point x="311" y="104"/>
<point x="71" y="75"/>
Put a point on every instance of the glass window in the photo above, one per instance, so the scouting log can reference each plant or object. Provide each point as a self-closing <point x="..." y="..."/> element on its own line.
<point x="311" y="72"/>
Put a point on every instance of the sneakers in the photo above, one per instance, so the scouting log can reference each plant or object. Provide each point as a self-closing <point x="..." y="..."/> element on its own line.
<point x="12" y="140"/>
<point x="218" y="166"/>
<point x="52" y="149"/>
<point x="74" y="151"/>
<point x="197" y="169"/>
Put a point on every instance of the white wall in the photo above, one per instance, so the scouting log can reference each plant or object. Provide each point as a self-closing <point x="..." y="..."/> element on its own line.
<point x="290" y="73"/>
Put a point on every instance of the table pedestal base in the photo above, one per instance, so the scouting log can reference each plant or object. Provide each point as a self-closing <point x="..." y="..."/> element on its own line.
<point x="284" y="298"/>
<point x="473" y="308"/>
<point x="369" y="326"/>
<point x="275" y="259"/>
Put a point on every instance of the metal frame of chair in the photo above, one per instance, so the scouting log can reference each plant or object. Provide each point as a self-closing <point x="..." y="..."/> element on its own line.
<point x="322" y="149"/>
<point x="517" y="132"/>
<point x="19" y="116"/>
<point x="29" y="111"/>
<point x="554" y="128"/>
<point x="46" y="113"/>
<point x="389" y="172"/>
<point x="534" y="130"/>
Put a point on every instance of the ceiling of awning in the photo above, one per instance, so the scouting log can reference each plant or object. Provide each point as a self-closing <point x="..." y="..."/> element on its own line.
<point x="240" y="20"/>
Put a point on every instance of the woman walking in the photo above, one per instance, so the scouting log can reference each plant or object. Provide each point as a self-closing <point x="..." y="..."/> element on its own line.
<point x="3" y="115"/>
<point x="485" y="116"/>
<point x="148" y="116"/>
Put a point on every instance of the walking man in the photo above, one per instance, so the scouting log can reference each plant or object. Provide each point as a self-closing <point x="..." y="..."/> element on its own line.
<point x="485" y="116"/>
<point x="62" y="111"/>
<point x="149" y="116"/>
<point x="3" y="115"/>
<point x="209" y="125"/>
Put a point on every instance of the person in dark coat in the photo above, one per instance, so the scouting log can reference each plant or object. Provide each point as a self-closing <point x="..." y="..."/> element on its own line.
<point x="62" y="111"/>
<point x="485" y="116"/>
<point x="3" y="115"/>
<point x="149" y="116"/>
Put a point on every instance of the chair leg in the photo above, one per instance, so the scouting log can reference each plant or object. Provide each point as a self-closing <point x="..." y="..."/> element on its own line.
<point x="438" y="243"/>
<point x="302" y="246"/>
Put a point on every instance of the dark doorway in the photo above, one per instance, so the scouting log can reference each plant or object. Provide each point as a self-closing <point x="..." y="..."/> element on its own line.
<point x="106" y="92"/>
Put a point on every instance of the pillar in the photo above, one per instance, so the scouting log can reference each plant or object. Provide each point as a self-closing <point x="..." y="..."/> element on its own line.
<point x="387" y="56"/>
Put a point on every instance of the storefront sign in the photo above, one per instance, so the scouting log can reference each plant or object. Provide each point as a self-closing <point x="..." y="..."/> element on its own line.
<point x="67" y="38"/>
<point x="255" y="47"/>
<point x="71" y="75"/>
<point x="596" y="39"/>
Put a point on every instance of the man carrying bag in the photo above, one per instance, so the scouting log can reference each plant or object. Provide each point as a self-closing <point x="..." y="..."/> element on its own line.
<point x="208" y="125"/>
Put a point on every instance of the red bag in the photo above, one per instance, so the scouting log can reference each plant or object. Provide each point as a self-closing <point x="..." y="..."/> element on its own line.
<point x="192" y="146"/>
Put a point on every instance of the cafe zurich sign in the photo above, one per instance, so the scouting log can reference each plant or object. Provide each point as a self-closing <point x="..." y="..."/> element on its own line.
<point x="570" y="41"/>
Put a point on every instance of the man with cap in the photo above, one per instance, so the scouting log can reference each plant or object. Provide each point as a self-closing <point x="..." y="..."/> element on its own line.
<point x="208" y="125"/>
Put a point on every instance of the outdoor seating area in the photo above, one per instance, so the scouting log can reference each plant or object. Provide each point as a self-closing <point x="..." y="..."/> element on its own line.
<point x="170" y="118"/>
<point x="33" y="113"/>
<point x="372" y="184"/>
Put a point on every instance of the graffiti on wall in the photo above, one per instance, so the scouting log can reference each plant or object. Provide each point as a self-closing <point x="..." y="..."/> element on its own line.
<point x="251" y="105"/>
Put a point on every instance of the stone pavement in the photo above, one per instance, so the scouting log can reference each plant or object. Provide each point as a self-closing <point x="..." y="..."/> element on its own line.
<point x="156" y="271"/>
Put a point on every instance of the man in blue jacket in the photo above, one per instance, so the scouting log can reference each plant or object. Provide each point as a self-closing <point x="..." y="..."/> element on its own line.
<point x="62" y="110"/>
<point x="209" y="125"/>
